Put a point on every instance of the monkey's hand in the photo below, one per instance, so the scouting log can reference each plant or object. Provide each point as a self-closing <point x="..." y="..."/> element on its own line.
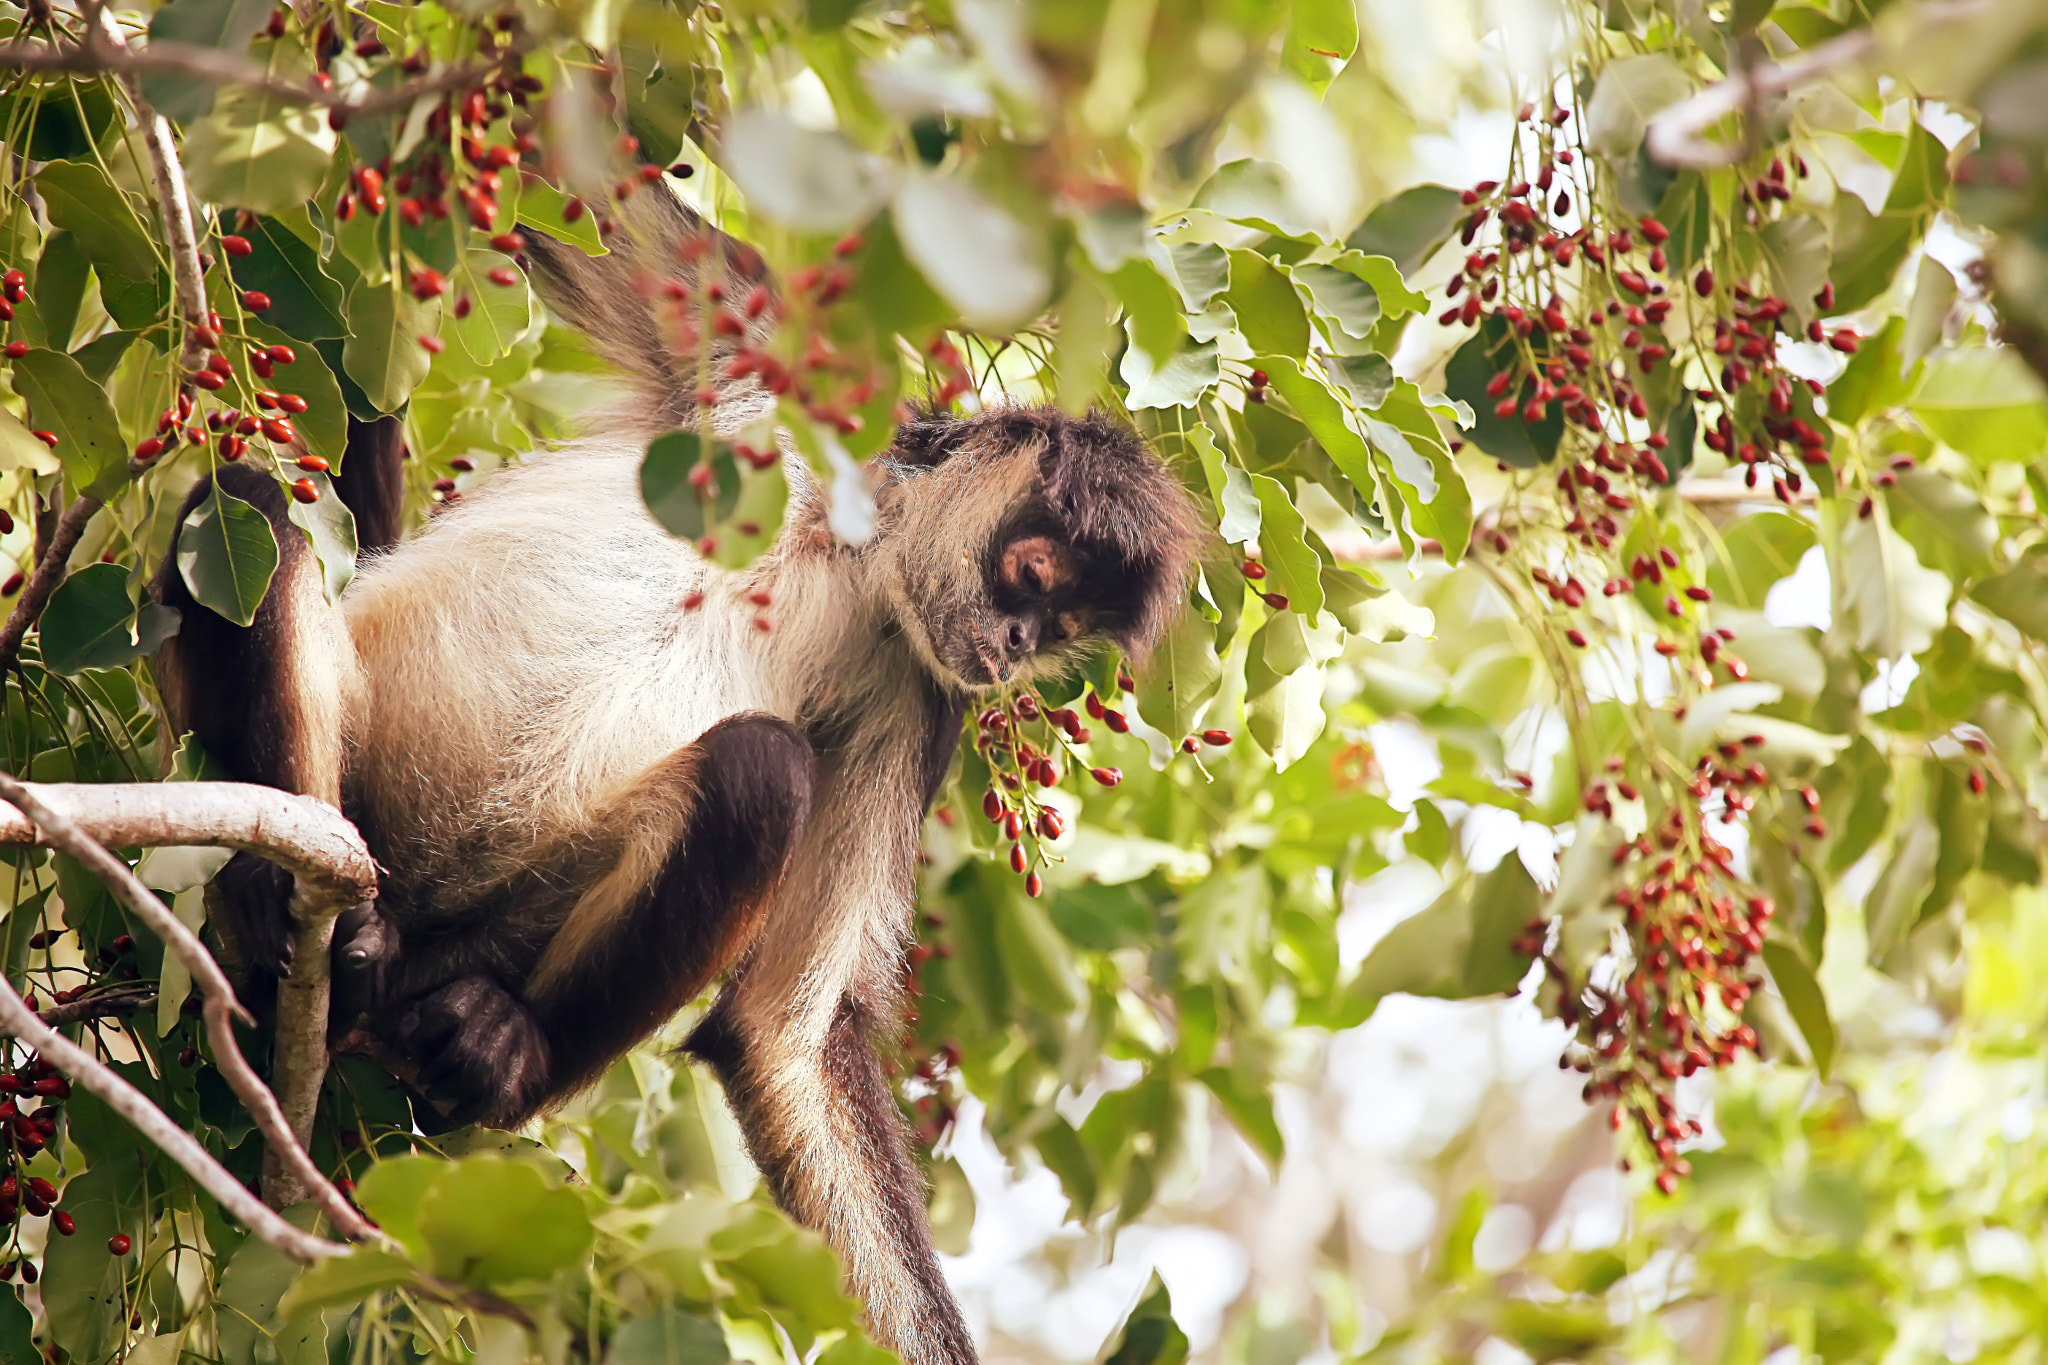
<point x="365" y="946"/>
<point x="478" y="1049"/>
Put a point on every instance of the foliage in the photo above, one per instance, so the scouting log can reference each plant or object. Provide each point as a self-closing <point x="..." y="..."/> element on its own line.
<point x="1496" y="492"/>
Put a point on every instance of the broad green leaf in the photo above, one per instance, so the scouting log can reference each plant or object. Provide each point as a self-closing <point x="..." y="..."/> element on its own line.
<point x="61" y="399"/>
<point x="257" y="1277"/>
<point x="1200" y="271"/>
<point x="1878" y="377"/>
<point x="1180" y="383"/>
<point x="1367" y="378"/>
<point x="1408" y="228"/>
<point x="1038" y="962"/>
<point x="1433" y="493"/>
<point x="1328" y="28"/>
<point x="1946" y="523"/>
<point x="1237" y="506"/>
<point x="323" y="426"/>
<point x="1459" y="947"/>
<point x="491" y="1220"/>
<point x="668" y="1337"/>
<point x="1803" y="997"/>
<point x="814" y="182"/>
<point x="1257" y="194"/>
<point x="91" y="623"/>
<point x="665" y="484"/>
<point x="1341" y="299"/>
<point x="346" y="1281"/>
<point x="305" y="303"/>
<point x="1292" y="567"/>
<point x="1795" y="249"/>
<point x="331" y="530"/>
<point x="257" y="152"/>
<point x="1631" y="92"/>
<point x="391" y="1191"/>
<point x="226" y="555"/>
<point x="979" y="256"/>
<point x="499" y="314"/>
<point x="1986" y="403"/>
<point x="1323" y="414"/>
<point x="1152" y="313"/>
<point x="2020" y="595"/>
<point x="1149" y="1336"/>
<point x="1867" y="253"/>
<point x="1755" y="552"/>
<point x="1934" y="294"/>
<point x="1269" y="312"/>
<point x="1508" y="439"/>
<point x="84" y="1290"/>
<point x="1893" y="906"/>
<point x="1396" y="299"/>
<point x="543" y="206"/>
<point x="383" y="351"/>
<point x="1921" y="184"/>
<point x="224" y="24"/>
<point x="86" y="204"/>
<point x="1181" y="676"/>
<point x="62" y="273"/>
<point x="1249" y="1102"/>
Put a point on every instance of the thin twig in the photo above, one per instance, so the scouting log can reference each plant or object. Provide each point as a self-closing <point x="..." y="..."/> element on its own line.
<point x="117" y="1003"/>
<point x="1674" y="135"/>
<point x="49" y="573"/>
<point x="150" y="1121"/>
<point x="221" y="1008"/>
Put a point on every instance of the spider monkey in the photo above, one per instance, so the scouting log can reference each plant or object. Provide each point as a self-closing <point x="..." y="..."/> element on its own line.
<point x="599" y="771"/>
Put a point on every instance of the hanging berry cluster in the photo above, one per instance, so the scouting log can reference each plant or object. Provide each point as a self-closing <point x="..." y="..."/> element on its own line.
<point x="1611" y="348"/>
<point x="1030" y="747"/>
<point x="33" y="1095"/>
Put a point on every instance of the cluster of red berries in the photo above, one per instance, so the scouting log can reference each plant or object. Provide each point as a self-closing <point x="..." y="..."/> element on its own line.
<point x="1694" y="936"/>
<point x="27" y="1132"/>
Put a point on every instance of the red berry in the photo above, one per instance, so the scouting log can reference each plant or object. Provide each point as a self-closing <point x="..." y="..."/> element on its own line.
<point x="16" y="349"/>
<point x="48" y="438"/>
<point x="1703" y="283"/>
<point x="1033" y="885"/>
<point x="1108" y="777"/>
<point x="431" y="345"/>
<point x="508" y="242"/>
<point x="256" y="301"/>
<point x="149" y="449"/>
<point x="236" y="246"/>
<point x="313" y="464"/>
<point x="505" y="275"/>
<point x="64" y="1223"/>
<point x="1276" y="600"/>
<point x="304" y="490"/>
<point x="992" y="806"/>
<point x="120" y="1243"/>
<point x="278" y="429"/>
<point x="1218" y="738"/>
<point x="12" y="585"/>
<point x="282" y="354"/>
<point x="1016" y="857"/>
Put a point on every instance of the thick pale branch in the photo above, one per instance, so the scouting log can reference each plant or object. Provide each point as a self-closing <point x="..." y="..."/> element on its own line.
<point x="59" y="828"/>
<point x="49" y="573"/>
<point x="150" y="1121"/>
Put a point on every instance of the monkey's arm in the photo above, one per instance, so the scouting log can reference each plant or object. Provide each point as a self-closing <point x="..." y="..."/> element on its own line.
<point x="793" y="1038"/>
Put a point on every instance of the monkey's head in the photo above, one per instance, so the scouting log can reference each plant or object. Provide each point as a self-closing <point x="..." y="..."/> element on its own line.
<point x="1013" y="542"/>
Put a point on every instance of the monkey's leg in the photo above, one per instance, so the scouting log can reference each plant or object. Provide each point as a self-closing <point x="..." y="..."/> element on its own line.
<point x="823" y="1126"/>
<point x="266" y="700"/>
<point x="703" y="837"/>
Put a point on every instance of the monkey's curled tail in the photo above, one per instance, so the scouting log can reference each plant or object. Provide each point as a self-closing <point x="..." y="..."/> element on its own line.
<point x="667" y="304"/>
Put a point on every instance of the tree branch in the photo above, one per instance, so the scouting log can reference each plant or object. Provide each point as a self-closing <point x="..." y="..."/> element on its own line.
<point x="215" y="64"/>
<point x="45" y="806"/>
<point x="150" y="1121"/>
<point x="1674" y="135"/>
<point x="118" y="1002"/>
<point x="49" y="573"/>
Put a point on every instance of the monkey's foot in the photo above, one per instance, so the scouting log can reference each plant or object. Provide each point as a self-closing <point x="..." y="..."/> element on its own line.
<point x="478" y="1050"/>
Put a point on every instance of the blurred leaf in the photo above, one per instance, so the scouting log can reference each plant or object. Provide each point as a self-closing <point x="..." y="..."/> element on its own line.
<point x="1756" y="552"/>
<point x="1946" y="523"/>
<point x="1409" y="228"/>
<point x="1460" y="946"/>
<point x="1878" y="377"/>
<point x="1201" y="271"/>
<point x="226" y="555"/>
<point x="489" y="1220"/>
<point x="1255" y="193"/>
<point x="975" y="252"/>
<point x="1149" y="1336"/>
<point x="1894" y="604"/>
<point x="1341" y="299"/>
<point x="257" y="152"/>
<point x="224" y="24"/>
<point x="1180" y="383"/>
<point x="668" y="1337"/>
<point x="1151" y="309"/>
<point x="2020" y="595"/>
<point x="1250" y="1106"/>
<point x="815" y="182"/>
<point x="1893" y="907"/>
<point x="1985" y="403"/>
<point x="1809" y="1007"/>
<point x="1632" y="91"/>
<point x="340" y="1281"/>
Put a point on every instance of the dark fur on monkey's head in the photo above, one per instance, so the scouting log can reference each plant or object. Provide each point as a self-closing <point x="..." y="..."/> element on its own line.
<point x="1024" y="535"/>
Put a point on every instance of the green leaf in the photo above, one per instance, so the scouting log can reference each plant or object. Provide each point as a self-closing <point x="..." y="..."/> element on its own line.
<point x="1878" y="377"/>
<point x="1946" y="523"/>
<point x="1037" y="961"/>
<point x="1409" y="228"/>
<point x="491" y="1220"/>
<point x="339" y="1281"/>
<point x="1867" y="253"/>
<point x="1151" y="309"/>
<point x="1984" y="402"/>
<point x="1921" y="183"/>
<point x="84" y="1289"/>
<point x="224" y="24"/>
<point x="330" y="529"/>
<point x="499" y="314"/>
<point x="665" y="484"/>
<point x="83" y="202"/>
<point x="1755" y="553"/>
<point x="1687" y="212"/>
<point x="1340" y="299"/>
<point x="256" y="151"/>
<point x="668" y="1337"/>
<point x="1508" y="439"/>
<point x="257" y="1277"/>
<point x="1269" y="312"/>
<point x="1893" y="603"/>
<point x="1257" y="194"/>
<point x="1201" y="271"/>
<point x="1461" y="946"/>
<point x="541" y="206"/>
<point x="62" y="272"/>
<point x="1796" y="250"/>
<point x="1433" y="494"/>
<point x="1396" y="299"/>
<point x="1149" y="1336"/>
<point x="61" y="399"/>
<point x="323" y="426"/>
<point x="1893" y="906"/>
<point x="1367" y="378"/>
<point x="1237" y="506"/>
<point x="1328" y="28"/>
<point x="226" y="555"/>
<point x="1803" y="998"/>
<point x="305" y="303"/>
<point x="391" y="1190"/>
<point x="1250" y="1107"/>
<point x="1181" y="676"/>
<point x="979" y="256"/>
<point x="1631" y="92"/>
<point x="1180" y="383"/>
<point x="1292" y="566"/>
<point x="383" y="351"/>
<point x="2020" y="595"/>
<point x="90" y="623"/>
<point x="813" y="181"/>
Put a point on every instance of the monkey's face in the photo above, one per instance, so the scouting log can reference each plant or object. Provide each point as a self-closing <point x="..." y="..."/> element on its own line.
<point x="1020" y="539"/>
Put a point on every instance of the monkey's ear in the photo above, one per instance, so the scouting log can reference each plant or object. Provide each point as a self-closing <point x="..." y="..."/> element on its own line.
<point x="925" y="440"/>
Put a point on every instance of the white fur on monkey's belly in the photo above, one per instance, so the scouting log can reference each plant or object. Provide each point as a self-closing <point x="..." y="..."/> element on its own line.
<point x="531" y="653"/>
